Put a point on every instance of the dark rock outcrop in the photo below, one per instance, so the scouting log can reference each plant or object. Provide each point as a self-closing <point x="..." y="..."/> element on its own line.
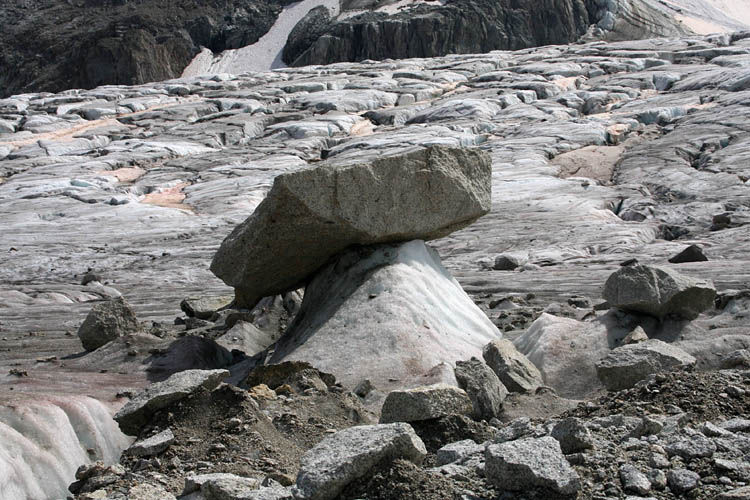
<point x="47" y="45"/>
<point x="463" y="26"/>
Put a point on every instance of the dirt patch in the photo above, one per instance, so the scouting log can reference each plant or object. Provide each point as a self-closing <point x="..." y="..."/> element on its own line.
<point x="705" y="396"/>
<point x="125" y="174"/>
<point x="400" y="480"/>
<point x="594" y="162"/>
<point x="169" y="198"/>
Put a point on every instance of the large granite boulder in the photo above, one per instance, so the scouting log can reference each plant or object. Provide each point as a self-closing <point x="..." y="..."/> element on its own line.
<point x="350" y="454"/>
<point x="388" y="313"/>
<point x="626" y="365"/>
<point x="529" y="464"/>
<point x="106" y="322"/>
<point x="312" y="214"/>
<point x="514" y="370"/>
<point x="425" y="403"/>
<point x="659" y="292"/>
<point x="485" y="390"/>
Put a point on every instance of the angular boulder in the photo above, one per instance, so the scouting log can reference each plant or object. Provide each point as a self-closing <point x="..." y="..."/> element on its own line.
<point x="312" y="214"/>
<point x="531" y="464"/>
<point x="659" y="292"/>
<point x="350" y="454"/>
<point x="514" y="370"/>
<point x="424" y="403"/>
<point x="485" y="390"/>
<point x="159" y="395"/>
<point x="389" y="313"/>
<point x="572" y="435"/>
<point x="693" y="253"/>
<point x="625" y="366"/>
<point x="106" y="322"/>
<point x="152" y="445"/>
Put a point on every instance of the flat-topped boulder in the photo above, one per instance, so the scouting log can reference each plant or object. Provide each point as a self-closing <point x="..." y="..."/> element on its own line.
<point x="310" y="215"/>
<point x="626" y="365"/>
<point x="351" y="454"/>
<point x="659" y="292"/>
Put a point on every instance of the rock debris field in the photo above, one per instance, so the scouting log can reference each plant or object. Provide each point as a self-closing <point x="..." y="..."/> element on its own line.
<point x="508" y="275"/>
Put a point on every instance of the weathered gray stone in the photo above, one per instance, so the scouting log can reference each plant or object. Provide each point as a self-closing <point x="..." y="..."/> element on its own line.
<point x="458" y="451"/>
<point x="204" y="307"/>
<point x="484" y="388"/>
<point x="350" y="454"/>
<point x="691" y="447"/>
<point x="513" y="369"/>
<point x="634" y="480"/>
<point x="573" y="435"/>
<point x="693" y="253"/>
<point x="682" y="480"/>
<point x="229" y="487"/>
<point x="424" y="403"/>
<point x="736" y="424"/>
<point x="507" y="262"/>
<point x="742" y="493"/>
<point x="312" y="214"/>
<point x="152" y="445"/>
<point x="195" y="482"/>
<point x="528" y="464"/>
<point x="625" y="366"/>
<point x="107" y="321"/>
<point x="658" y="291"/>
<point x="147" y="491"/>
<point x="138" y="410"/>
<point x="636" y="336"/>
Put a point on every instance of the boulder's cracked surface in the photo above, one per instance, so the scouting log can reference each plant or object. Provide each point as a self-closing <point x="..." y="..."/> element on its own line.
<point x="313" y="214"/>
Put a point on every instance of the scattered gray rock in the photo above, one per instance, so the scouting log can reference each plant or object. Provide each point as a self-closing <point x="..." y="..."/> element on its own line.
<point x="573" y="435"/>
<point x="636" y="336"/>
<point x="682" y="480"/>
<point x="736" y="425"/>
<point x="507" y="262"/>
<point x="424" y="403"/>
<point x="204" y="307"/>
<point x="514" y="370"/>
<point x="691" y="447"/>
<point x="658" y="291"/>
<point x="229" y="487"/>
<point x="350" y="454"/>
<point x="633" y="480"/>
<point x="106" y="322"/>
<point x="153" y="445"/>
<point x="626" y="365"/>
<point x="484" y="388"/>
<point x="458" y="451"/>
<point x="195" y="482"/>
<point x="742" y="493"/>
<point x="138" y="410"/>
<point x="533" y="463"/>
<point x="312" y="214"/>
<point x="148" y="491"/>
<point x="693" y="253"/>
